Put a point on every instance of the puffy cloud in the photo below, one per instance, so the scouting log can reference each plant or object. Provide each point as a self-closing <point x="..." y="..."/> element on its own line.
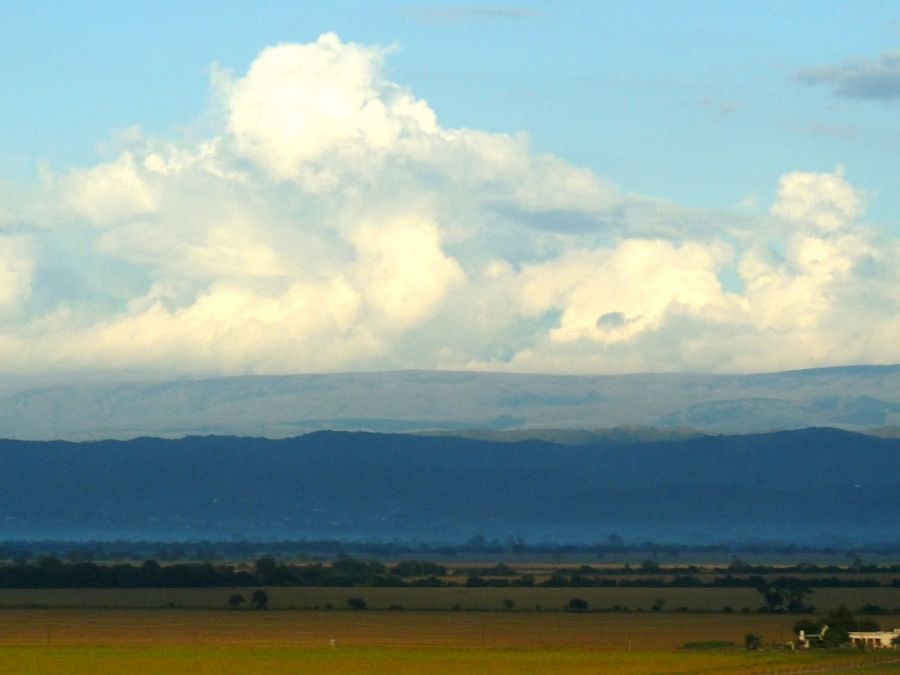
<point x="825" y="201"/>
<point x="875" y="79"/>
<point x="16" y="269"/>
<point x="109" y="192"/>
<point x="825" y="293"/>
<point x="821" y="252"/>
<point x="403" y="271"/>
<point x="306" y="112"/>
<point x="331" y="223"/>
<point x="230" y="329"/>
<point x="611" y="295"/>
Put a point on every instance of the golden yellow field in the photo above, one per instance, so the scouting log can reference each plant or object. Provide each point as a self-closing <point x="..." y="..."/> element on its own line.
<point x="202" y="641"/>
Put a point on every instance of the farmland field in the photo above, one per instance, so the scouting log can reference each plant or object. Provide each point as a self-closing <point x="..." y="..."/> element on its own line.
<point x="295" y="597"/>
<point x="174" y="641"/>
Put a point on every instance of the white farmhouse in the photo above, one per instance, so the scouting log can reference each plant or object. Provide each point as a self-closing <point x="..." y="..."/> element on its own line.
<point x="880" y="639"/>
<point x="876" y="639"/>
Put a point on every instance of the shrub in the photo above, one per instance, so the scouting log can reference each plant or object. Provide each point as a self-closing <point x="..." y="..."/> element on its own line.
<point x="577" y="605"/>
<point x="260" y="599"/>
<point x="872" y="609"/>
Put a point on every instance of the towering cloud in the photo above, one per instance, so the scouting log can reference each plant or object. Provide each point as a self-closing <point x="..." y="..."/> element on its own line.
<point x="331" y="223"/>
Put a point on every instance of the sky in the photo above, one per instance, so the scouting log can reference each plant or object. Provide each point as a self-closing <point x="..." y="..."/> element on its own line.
<point x="198" y="188"/>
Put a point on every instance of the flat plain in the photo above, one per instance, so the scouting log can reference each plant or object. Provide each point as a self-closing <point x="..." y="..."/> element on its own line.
<point x="221" y="641"/>
<point x="299" y="597"/>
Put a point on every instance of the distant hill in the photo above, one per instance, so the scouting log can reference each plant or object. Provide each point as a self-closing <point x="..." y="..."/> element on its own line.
<point x="886" y="432"/>
<point x="808" y="486"/>
<point x="854" y="398"/>
<point x="598" y="437"/>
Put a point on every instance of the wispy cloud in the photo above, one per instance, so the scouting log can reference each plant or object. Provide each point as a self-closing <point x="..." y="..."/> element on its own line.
<point x="459" y="13"/>
<point x="868" y="79"/>
<point x="829" y="130"/>
<point x="718" y="107"/>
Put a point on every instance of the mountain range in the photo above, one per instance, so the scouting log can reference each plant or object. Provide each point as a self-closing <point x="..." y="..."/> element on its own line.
<point x="858" y="398"/>
<point x="816" y="485"/>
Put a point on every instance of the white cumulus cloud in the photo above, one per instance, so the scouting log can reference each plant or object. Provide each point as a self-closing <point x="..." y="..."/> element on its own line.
<point x="330" y="222"/>
<point x="16" y="269"/>
<point x="307" y="112"/>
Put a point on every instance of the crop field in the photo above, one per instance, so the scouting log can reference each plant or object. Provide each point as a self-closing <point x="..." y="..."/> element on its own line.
<point x="294" y="597"/>
<point x="201" y="641"/>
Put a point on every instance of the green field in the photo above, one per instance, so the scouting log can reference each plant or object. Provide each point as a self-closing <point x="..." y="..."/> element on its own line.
<point x="189" y="630"/>
<point x="91" y="660"/>
<point x="202" y="641"/>
<point x="294" y="597"/>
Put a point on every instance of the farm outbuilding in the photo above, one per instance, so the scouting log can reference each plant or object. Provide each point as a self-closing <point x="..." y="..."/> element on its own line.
<point x="876" y="639"/>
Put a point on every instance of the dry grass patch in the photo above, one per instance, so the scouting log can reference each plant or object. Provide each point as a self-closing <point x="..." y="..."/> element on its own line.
<point x="82" y="642"/>
<point x="506" y="630"/>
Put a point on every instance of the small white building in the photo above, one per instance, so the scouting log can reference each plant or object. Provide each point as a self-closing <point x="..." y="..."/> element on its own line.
<point x="806" y="640"/>
<point x="879" y="639"/>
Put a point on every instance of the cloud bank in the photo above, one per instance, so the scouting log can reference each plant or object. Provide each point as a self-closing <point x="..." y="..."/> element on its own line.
<point x="329" y="222"/>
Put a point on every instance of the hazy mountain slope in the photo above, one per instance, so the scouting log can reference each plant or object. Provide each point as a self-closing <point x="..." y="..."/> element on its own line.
<point x="281" y="406"/>
<point x="596" y="437"/>
<point x="810" y="485"/>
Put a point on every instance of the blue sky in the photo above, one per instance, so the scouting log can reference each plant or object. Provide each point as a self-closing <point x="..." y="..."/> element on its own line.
<point x="695" y="111"/>
<point x="691" y="101"/>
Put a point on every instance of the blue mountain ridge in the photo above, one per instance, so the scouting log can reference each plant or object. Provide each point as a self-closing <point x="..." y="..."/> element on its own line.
<point x="814" y="485"/>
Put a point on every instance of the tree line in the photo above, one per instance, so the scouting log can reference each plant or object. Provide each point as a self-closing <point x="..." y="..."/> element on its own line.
<point x="615" y="546"/>
<point x="51" y="572"/>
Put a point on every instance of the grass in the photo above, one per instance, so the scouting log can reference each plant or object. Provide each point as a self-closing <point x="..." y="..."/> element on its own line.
<point x="373" y="660"/>
<point x="501" y="630"/>
<point x="695" y="599"/>
<point x="200" y="641"/>
<point x="709" y="644"/>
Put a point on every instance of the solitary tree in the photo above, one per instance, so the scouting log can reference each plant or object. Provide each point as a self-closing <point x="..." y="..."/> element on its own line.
<point x="577" y="605"/>
<point x="236" y="601"/>
<point x="356" y="603"/>
<point x="773" y="596"/>
<point x="752" y="641"/>
<point x="260" y="599"/>
<point x="650" y="566"/>
<point x="795" y="595"/>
